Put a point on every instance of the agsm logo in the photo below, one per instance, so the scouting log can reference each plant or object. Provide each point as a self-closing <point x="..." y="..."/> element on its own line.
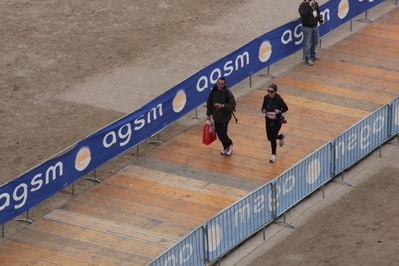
<point x="179" y="101"/>
<point x="265" y="51"/>
<point x="343" y="9"/>
<point x="83" y="158"/>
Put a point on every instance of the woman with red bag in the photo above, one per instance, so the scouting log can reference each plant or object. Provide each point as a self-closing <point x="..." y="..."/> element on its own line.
<point x="220" y="105"/>
<point x="273" y="107"/>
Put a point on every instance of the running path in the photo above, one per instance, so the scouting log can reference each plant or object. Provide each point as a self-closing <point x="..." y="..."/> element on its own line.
<point x="138" y="213"/>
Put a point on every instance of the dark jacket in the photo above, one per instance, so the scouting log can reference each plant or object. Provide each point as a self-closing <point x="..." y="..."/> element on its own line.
<point x="271" y="104"/>
<point x="221" y="115"/>
<point x="306" y="13"/>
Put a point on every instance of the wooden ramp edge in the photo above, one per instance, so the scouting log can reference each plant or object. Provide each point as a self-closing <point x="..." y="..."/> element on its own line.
<point x="138" y="213"/>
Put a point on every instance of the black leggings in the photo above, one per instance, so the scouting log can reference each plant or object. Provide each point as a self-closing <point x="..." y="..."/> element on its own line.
<point x="272" y="129"/>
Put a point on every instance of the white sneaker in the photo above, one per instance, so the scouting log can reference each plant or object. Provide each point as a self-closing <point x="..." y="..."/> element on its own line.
<point x="229" y="150"/>
<point x="224" y="152"/>
<point x="273" y="158"/>
<point x="281" y="143"/>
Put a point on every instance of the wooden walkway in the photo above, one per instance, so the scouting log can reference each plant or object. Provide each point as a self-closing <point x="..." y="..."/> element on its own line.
<point x="138" y="213"/>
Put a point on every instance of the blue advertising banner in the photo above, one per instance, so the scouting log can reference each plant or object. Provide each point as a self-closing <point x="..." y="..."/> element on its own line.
<point x="188" y="252"/>
<point x="42" y="182"/>
<point x="361" y="138"/>
<point x="235" y="223"/>
<point x="395" y="116"/>
<point x="302" y="179"/>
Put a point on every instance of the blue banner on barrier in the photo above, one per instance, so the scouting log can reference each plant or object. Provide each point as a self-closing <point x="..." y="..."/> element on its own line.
<point x="361" y="138"/>
<point x="235" y="223"/>
<point x="45" y="180"/>
<point x="188" y="252"/>
<point x="302" y="179"/>
<point x="395" y="116"/>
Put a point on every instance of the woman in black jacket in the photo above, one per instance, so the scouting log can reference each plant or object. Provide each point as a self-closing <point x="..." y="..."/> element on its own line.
<point x="273" y="107"/>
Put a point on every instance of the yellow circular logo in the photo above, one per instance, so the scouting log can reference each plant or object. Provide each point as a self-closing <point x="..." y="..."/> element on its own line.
<point x="179" y="101"/>
<point x="265" y="51"/>
<point x="343" y="9"/>
<point x="83" y="159"/>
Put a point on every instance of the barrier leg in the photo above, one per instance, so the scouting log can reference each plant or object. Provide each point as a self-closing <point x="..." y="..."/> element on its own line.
<point x="285" y="222"/>
<point x="342" y="180"/>
<point x="94" y="178"/>
<point x="268" y="73"/>
<point x="156" y="141"/>
<point x="26" y="219"/>
<point x="196" y="113"/>
<point x="365" y="18"/>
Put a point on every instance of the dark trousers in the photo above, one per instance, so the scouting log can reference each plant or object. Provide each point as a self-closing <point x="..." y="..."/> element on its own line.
<point x="221" y="130"/>
<point x="272" y="129"/>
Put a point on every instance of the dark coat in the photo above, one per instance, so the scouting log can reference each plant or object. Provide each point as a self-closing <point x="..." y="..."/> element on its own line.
<point x="306" y="13"/>
<point x="222" y="115"/>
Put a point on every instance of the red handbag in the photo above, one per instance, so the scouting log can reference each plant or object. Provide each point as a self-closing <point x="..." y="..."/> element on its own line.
<point x="209" y="133"/>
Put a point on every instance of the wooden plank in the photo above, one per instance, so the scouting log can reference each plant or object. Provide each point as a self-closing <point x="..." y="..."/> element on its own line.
<point x="11" y="259"/>
<point x="326" y="107"/>
<point x="88" y="245"/>
<point x="216" y="200"/>
<point x="110" y="227"/>
<point x="95" y="239"/>
<point x="344" y="77"/>
<point x="50" y="255"/>
<point x="362" y="74"/>
<point x="142" y="197"/>
<point x="132" y="215"/>
<point x="381" y="30"/>
<point x="367" y="61"/>
<point x="111" y="215"/>
<point x="333" y="90"/>
<point x="182" y="182"/>
<point x="233" y="165"/>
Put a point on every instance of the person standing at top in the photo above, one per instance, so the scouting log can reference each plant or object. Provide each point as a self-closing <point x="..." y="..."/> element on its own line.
<point x="273" y="107"/>
<point x="310" y="15"/>
<point x="220" y="105"/>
